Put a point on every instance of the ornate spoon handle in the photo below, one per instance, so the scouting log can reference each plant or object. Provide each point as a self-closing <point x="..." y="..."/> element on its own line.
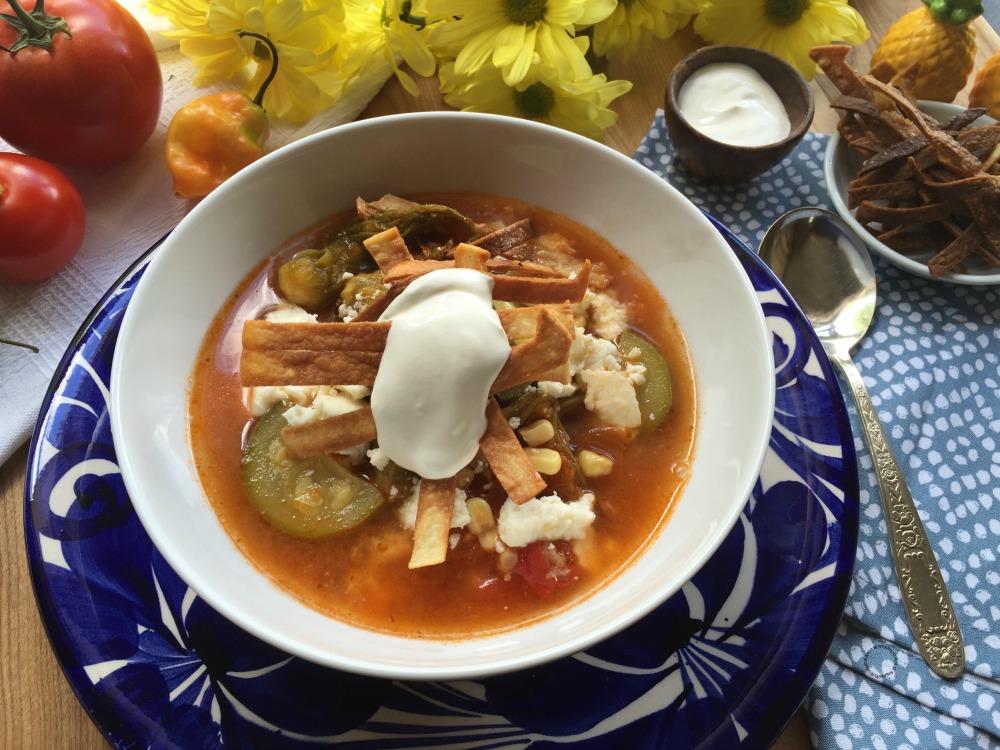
<point x="925" y="598"/>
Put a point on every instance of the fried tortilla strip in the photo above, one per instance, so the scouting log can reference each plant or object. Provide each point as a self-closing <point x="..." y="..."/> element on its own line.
<point x="951" y="257"/>
<point x="950" y="152"/>
<point x="405" y="272"/>
<point x="905" y="81"/>
<point x="435" y="505"/>
<point x="503" y="239"/>
<point x="388" y="248"/>
<point x="263" y="335"/>
<point x="307" y="367"/>
<point x="329" y="435"/>
<point x="388" y="202"/>
<point x="907" y="242"/>
<point x="985" y="214"/>
<point x="543" y="357"/>
<point x="521" y="323"/>
<point x="507" y="287"/>
<point x="510" y="464"/>
<point x="902" y="190"/>
<point x="891" y="216"/>
<point x="294" y="353"/>
<point x="962" y="120"/>
<point x="899" y="150"/>
<point x="470" y="256"/>
<point x="539" y="291"/>
<point x="856" y="105"/>
<point x="832" y="59"/>
<point x="517" y="267"/>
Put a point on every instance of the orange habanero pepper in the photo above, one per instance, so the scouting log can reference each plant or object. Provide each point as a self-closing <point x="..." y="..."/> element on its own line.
<point x="212" y="138"/>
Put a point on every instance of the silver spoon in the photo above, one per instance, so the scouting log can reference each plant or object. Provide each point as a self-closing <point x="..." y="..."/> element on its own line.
<point x="825" y="266"/>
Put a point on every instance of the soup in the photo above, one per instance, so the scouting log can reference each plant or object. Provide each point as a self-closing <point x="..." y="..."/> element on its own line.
<point x="587" y="439"/>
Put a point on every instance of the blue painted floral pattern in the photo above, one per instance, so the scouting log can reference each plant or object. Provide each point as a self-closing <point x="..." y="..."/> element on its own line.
<point x="722" y="664"/>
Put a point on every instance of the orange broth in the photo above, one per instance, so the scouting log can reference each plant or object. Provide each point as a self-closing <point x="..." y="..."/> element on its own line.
<point x="362" y="578"/>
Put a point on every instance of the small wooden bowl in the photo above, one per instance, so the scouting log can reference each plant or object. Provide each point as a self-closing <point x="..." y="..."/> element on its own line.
<point x="711" y="161"/>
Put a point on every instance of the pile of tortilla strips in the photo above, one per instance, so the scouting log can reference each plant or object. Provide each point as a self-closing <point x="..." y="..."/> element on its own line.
<point x="925" y="188"/>
<point x="349" y="354"/>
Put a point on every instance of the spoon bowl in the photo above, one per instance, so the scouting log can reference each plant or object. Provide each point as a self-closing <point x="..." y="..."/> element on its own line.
<point x="828" y="272"/>
<point x="826" y="268"/>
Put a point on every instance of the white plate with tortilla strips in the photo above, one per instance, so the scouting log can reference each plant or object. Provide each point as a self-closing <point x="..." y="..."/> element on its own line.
<point x="723" y="663"/>
<point x="841" y="165"/>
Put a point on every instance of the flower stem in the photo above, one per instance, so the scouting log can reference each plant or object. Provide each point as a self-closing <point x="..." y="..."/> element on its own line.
<point x="272" y="50"/>
<point x="19" y="343"/>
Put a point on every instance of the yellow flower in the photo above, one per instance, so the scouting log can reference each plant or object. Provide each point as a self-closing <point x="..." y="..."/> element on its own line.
<point x="580" y="106"/>
<point x="786" y="28"/>
<point x="635" y="23"/>
<point x="391" y="29"/>
<point x="303" y="31"/>
<point x="515" y="35"/>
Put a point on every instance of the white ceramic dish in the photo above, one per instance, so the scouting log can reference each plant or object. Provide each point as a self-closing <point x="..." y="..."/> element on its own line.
<point x="841" y="165"/>
<point x="217" y="244"/>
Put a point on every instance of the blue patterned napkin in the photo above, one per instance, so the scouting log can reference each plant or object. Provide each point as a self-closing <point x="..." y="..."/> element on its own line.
<point x="932" y="365"/>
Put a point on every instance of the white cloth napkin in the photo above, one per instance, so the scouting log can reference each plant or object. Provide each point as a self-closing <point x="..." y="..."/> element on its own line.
<point x="129" y="207"/>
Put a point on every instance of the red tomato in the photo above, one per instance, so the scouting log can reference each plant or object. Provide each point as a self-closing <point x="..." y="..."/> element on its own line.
<point x="92" y="98"/>
<point x="544" y="566"/>
<point x="41" y="219"/>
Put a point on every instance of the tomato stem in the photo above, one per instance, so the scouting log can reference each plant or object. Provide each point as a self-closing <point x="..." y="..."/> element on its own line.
<point x="35" y="28"/>
<point x="272" y="51"/>
<point x="19" y="343"/>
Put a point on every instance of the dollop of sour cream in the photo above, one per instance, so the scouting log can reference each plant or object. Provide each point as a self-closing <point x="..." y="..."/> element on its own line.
<point x="444" y="350"/>
<point x="732" y="103"/>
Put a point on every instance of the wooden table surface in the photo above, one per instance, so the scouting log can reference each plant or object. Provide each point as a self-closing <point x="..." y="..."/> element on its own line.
<point x="38" y="709"/>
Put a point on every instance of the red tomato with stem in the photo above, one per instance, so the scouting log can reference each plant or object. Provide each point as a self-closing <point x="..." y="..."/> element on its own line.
<point x="89" y="93"/>
<point x="41" y="219"/>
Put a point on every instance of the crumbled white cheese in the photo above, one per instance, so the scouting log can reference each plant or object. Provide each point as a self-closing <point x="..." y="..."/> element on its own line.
<point x="407" y="510"/>
<point x="349" y="312"/>
<point x="607" y="316"/>
<point x="286" y="312"/>
<point x="263" y="397"/>
<point x="378" y="459"/>
<point x="545" y="518"/>
<point x="556" y="390"/>
<point x="635" y="370"/>
<point x="330" y="401"/>
<point x="611" y="396"/>
<point x="514" y="422"/>
<point x="589" y="352"/>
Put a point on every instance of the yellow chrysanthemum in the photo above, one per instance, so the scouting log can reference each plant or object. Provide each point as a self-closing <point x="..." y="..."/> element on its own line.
<point x="303" y="31"/>
<point x="391" y="29"/>
<point x="635" y="23"/>
<point x="580" y="106"/>
<point x="786" y="28"/>
<point x="515" y="35"/>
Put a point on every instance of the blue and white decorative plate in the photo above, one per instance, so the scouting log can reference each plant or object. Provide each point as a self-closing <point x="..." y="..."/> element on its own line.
<point x="722" y="664"/>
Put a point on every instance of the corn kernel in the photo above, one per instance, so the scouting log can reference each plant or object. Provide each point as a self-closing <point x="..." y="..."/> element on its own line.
<point x="545" y="460"/>
<point x="507" y="560"/>
<point x="488" y="540"/>
<point x="538" y="432"/>
<point x="480" y="515"/>
<point x="594" y="464"/>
